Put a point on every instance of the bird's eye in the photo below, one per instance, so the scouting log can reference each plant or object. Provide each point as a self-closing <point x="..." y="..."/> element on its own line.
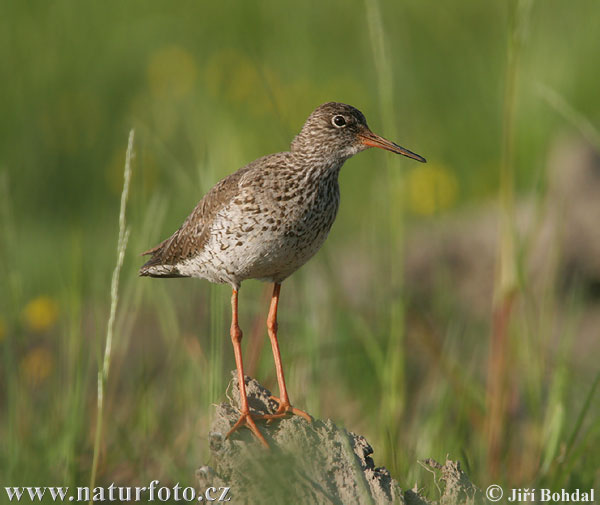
<point x="338" y="121"/>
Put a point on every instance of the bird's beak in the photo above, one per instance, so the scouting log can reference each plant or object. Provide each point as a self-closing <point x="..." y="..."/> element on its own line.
<point x="370" y="139"/>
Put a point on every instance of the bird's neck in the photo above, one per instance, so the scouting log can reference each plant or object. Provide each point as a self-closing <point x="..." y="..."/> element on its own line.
<point x="316" y="164"/>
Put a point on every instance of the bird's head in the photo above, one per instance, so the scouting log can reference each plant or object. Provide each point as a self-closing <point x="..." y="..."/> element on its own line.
<point x="338" y="131"/>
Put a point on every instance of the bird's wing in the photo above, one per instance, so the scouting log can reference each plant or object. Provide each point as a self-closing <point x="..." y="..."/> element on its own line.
<point x="194" y="233"/>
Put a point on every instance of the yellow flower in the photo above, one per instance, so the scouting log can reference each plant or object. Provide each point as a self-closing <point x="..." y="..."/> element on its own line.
<point x="231" y="74"/>
<point x="431" y="188"/>
<point x="37" y="365"/>
<point x="40" y="313"/>
<point x="172" y="73"/>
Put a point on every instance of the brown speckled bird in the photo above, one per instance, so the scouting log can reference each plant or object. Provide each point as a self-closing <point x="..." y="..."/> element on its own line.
<point x="265" y="221"/>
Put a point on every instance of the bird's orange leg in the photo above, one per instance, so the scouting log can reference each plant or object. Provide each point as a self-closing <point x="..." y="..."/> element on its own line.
<point x="284" y="403"/>
<point x="236" y="338"/>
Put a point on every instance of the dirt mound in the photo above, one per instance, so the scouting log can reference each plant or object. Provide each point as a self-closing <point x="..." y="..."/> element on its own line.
<point x="316" y="463"/>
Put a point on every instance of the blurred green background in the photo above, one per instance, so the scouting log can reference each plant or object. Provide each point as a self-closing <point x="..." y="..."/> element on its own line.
<point x="208" y="87"/>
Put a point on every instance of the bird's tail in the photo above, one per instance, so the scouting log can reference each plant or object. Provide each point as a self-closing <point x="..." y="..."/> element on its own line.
<point x="150" y="269"/>
<point x="156" y="266"/>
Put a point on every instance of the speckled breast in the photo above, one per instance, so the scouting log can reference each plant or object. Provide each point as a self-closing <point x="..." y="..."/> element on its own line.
<point x="269" y="235"/>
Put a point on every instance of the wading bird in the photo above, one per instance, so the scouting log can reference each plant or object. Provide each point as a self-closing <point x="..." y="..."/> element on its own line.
<point x="265" y="221"/>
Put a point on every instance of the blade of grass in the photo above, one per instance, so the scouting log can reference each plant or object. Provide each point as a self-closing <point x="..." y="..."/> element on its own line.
<point x="506" y="285"/>
<point x="217" y="330"/>
<point x="568" y="112"/>
<point x="13" y="285"/>
<point x="392" y="374"/>
<point x="114" y="297"/>
<point x="582" y="415"/>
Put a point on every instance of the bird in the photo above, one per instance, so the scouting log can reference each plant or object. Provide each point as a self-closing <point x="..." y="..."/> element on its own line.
<point x="264" y="222"/>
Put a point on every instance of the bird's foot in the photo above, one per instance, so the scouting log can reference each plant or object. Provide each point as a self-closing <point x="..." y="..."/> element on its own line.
<point x="248" y="421"/>
<point x="283" y="410"/>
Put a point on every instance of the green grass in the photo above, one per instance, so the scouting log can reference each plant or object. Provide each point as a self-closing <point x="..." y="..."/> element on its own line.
<point x="208" y="89"/>
<point x="104" y="368"/>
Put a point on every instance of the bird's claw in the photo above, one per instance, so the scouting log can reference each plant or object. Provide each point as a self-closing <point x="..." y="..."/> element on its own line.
<point x="247" y="420"/>
<point x="283" y="409"/>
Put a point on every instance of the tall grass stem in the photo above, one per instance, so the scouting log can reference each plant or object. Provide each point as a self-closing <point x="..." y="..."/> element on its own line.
<point x="392" y="372"/>
<point x="114" y="298"/>
<point x="506" y="286"/>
